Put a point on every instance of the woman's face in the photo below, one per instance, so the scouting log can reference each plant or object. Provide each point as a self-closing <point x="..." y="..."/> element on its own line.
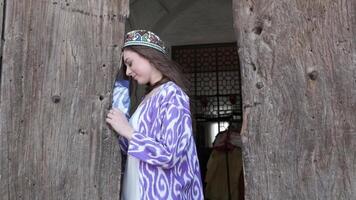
<point x="140" y="68"/>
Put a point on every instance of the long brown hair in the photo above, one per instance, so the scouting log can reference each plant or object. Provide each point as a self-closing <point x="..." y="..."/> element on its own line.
<point x="169" y="69"/>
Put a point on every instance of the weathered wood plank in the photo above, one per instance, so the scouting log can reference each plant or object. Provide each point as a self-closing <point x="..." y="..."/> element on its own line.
<point x="298" y="61"/>
<point x="59" y="62"/>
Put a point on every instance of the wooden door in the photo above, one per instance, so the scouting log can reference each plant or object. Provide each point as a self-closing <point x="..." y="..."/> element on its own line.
<point x="57" y="72"/>
<point x="298" y="61"/>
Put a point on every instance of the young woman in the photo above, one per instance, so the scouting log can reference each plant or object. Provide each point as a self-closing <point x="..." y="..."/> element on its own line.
<point x="162" y="161"/>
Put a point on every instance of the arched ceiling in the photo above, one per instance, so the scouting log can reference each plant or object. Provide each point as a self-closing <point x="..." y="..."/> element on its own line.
<point x="181" y="22"/>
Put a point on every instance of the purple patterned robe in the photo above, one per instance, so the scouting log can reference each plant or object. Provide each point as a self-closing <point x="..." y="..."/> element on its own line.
<point x="164" y="144"/>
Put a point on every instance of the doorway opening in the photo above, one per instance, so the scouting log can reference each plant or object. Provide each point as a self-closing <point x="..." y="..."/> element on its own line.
<point x="199" y="36"/>
<point x="214" y="73"/>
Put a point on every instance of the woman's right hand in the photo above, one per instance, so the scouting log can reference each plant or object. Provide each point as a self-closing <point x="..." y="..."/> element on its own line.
<point x="119" y="123"/>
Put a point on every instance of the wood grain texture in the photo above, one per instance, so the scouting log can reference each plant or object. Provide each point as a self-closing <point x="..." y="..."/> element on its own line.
<point x="59" y="63"/>
<point x="298" y="61"/>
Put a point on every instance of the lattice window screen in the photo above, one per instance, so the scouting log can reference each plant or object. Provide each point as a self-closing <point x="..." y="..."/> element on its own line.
<point x="214" y="73"/>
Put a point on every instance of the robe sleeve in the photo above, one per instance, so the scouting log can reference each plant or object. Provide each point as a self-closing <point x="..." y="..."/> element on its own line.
<point x="121" y="100"/>
<point x="175" y="133"/>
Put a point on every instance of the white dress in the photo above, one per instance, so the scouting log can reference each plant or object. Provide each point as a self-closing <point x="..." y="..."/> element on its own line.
<point x="131" y="183"/>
